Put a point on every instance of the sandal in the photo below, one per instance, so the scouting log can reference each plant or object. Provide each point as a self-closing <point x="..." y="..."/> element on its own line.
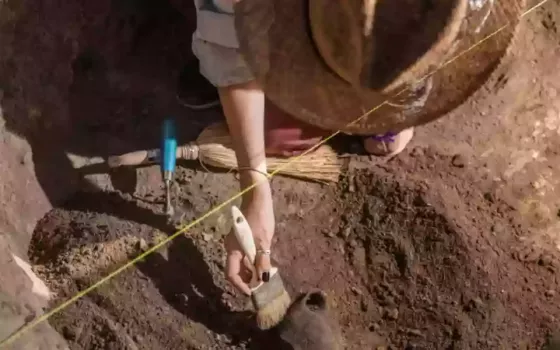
<point x="388" y="145"/>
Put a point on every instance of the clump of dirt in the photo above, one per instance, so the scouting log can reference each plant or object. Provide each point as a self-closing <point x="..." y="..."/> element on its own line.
<point x="406" y="259"/>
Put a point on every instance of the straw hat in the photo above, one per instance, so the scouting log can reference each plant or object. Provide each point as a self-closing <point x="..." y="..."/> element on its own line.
<point x="329" y="62"/>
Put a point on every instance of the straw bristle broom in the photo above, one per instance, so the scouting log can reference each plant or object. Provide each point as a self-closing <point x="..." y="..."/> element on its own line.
<point x="213" y="147"/>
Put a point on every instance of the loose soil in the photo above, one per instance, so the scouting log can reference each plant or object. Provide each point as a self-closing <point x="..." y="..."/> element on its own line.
<point x="409" y="259"/>
<point x="414" y="253"/>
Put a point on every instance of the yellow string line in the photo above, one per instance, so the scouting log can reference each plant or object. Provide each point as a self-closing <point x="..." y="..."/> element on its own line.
<point x="16" y="335"/>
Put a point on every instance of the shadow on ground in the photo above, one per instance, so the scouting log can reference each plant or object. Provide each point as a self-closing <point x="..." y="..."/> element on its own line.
<point x="103" y="80"/>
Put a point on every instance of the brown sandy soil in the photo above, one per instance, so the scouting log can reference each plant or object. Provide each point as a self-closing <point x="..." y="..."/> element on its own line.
<point x="409" y="260"/>
<point x="428" y="251"/>
<point x="509" y="131"/>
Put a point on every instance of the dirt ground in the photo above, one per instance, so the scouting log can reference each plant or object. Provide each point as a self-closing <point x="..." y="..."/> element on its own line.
<point x="407" y="262"/>
<point x="449" y="246"/>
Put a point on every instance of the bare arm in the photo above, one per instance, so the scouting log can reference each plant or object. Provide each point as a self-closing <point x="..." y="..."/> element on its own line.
<point x="243" y="106"/>
<point x="244" y="109"/>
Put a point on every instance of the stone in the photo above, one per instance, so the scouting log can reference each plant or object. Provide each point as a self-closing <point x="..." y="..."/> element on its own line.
<point x="356" y="291"/>
<point x="346" y="232"/>
<point x="364" y="305"/>
<point x="458" y="161"/>
<point x="68" y="333"/>
<point x="392" y="314"/>
<point x="142" y="245"/>
<point x="475" y="304"/>
<point x="414" y="332"/>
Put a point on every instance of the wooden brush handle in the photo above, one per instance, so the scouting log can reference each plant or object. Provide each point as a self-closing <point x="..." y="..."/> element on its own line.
<point x="187" y="152"/>
<point x="244" y="235"/>
<point x="134" y="158"/>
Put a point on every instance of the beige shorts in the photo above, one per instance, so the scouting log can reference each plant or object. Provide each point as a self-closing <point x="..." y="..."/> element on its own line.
<point x="222" y="66"/>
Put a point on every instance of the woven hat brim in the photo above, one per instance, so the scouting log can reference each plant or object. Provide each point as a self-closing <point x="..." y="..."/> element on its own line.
<point x="276" y="42"/>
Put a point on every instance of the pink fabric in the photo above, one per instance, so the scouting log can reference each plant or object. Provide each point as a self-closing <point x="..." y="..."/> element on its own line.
<point x="287" y="136"/>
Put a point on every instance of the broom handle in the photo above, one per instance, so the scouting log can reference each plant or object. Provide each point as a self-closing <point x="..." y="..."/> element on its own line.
<point x="187" y="152"/>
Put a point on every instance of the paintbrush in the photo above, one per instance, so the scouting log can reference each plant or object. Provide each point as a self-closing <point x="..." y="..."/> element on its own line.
<point x="270" y="299"/>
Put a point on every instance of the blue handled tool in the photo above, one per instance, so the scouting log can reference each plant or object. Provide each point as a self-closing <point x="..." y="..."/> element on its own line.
<point x="168" y="155"/>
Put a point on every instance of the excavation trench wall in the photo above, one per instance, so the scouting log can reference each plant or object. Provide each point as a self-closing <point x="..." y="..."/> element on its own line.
<point x="45" y="48"/>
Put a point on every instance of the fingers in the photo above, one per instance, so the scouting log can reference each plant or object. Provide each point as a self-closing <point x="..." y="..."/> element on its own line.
<point x="234" y="266"/>
<point x="233" y="272"/>
<point x="263" y="265"/>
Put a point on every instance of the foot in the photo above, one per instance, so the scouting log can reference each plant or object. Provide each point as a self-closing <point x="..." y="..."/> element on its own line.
<point x="388" y="145"/>
<point x="194" y="91"/>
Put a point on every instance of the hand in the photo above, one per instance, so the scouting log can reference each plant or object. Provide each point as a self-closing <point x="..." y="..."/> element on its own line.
<point x="258" y="210"/>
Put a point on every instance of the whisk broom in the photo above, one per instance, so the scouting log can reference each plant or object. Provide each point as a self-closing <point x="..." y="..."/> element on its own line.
<point x="213" y="147"/>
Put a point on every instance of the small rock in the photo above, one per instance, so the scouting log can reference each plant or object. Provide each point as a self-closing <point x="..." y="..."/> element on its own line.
<point x="417" y="152"/>
<point x="328" y="232"/>
<point x="415" y="332"/>
<point x="489" y="197"/>
<point x="353" y="243"/>
<point x="222" y="338"/>
<point x="356" y="291"/>
<point x="475" y="304"/>
<point x="207" y="237"/>
<point x="183" y="298"/>
<point x="387" y="300"/>
<point x="458" y="161"/>
<point x="545" y="260"/>
<point x="346" y="232"/>
<point x="374" y="327"/>
<point x="497" y="228"/>
<point x="342" y="250"/>
<point x="137" y="338"/>
<point x="351" y="184"/>
<point x="68" y="333"/>
<point x="550" y="293"/>
<point x="363" y="305"/>
<point x="392" y="314"/>
<point x="142" y="245"/>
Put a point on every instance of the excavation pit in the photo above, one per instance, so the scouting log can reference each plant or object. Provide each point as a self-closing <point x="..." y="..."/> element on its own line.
<point x="84" y="80"/>
<point x="402" y="265"/>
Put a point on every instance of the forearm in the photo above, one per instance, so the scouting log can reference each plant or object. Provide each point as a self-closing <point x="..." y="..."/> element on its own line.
<point x="244" y="109"/>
